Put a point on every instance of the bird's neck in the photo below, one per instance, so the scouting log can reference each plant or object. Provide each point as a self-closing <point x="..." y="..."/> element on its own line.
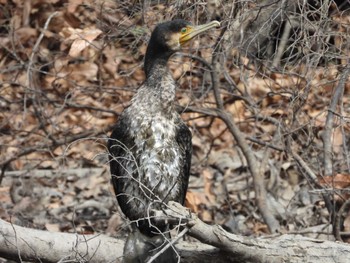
<point x="156" y="57"/>
<point x="154" y="65"/>
<point x="157" y="94"/>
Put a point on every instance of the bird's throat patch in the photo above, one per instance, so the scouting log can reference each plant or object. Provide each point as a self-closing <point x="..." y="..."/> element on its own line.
<point x="174" y="41"/>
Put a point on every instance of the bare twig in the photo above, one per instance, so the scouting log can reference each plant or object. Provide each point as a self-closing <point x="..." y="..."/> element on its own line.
<point x="337" y="222"/>
<point x="327" y="134"/>
<point x="32" y="59"/>
<point x="272" y="146"/>
<point x="171" y="243"/>
<point x="308" y="171"/>
<point x="52" y="145"/>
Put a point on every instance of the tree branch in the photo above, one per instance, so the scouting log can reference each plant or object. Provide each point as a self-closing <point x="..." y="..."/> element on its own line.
<point x="327" y="134"/>
<point x="285" y="248"/>
<point x="36" y="245"/>
<point x="43" y="246"/>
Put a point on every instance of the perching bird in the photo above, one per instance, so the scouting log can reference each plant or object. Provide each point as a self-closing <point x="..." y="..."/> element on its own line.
<point x="150" y="147"/>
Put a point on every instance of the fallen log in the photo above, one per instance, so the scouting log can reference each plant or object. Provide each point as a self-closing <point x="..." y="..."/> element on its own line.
<point x="24" y="244"/>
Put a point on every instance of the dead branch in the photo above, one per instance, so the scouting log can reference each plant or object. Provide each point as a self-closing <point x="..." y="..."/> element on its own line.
<point x="337" y="221"/>
<point x="285" y="248"/>
<point x="327" y="134"/>
<point x="252" y="31"/>
<point x="42" y="246"/>
<point x="51" y="146"/>
<point x="37" y="245"/>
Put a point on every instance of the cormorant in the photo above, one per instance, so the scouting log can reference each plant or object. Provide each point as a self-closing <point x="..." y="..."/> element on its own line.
<point x="150" y="147"/>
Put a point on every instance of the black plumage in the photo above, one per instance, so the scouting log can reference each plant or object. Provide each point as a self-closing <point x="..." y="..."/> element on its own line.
<point x="150" y="146"/>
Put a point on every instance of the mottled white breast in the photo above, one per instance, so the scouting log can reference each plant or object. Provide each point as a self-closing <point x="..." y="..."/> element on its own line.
<point x="158" y="155"/>
<point x="156" y="152"/>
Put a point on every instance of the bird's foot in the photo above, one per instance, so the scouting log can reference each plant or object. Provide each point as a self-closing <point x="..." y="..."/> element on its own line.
<point x="140" y="248"/>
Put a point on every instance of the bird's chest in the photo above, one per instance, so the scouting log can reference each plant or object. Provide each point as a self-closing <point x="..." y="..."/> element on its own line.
<point x="157" y="152"/>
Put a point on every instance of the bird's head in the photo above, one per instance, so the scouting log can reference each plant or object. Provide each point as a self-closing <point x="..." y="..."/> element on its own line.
<point x="174" y="34"/>
<point x="169" y="37"/>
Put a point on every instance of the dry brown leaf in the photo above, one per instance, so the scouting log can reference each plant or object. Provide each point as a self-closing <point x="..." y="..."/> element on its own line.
<point x="237" y="109"/>
<point x="197" y="201"/>
<point x="52" y="227"/>
<point x="82" y="39"/>
<point x="260" y="228"/>
<point x="115" y="222"/>
<point x="208" y="185"/>
<point x="337" y="140"/>
<point x="338" y="181"/>
<point x="112" y="59"/>
<point x="83" y="72"/>
<point x="73" y="4"/>
<point x="194" y="200"/>
<point x="257" y="86"/>
<point x="346" y="223"/>
<point x="89" y="183"/>
<point x="180" y="68"/>
<point x="4" y="194"/>
<point x="206" y="216"/>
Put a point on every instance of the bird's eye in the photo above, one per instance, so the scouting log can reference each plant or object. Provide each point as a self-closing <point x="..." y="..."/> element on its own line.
<point x="183" y="30"/>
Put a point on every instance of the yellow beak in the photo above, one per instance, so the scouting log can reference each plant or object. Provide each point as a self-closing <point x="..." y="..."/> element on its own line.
<point x="191" y="32"/>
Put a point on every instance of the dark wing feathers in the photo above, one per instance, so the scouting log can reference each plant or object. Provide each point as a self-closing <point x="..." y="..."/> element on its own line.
<point x="120" y="142"/>
<point x="118" y="145"/>
<point x="184" y="139"/>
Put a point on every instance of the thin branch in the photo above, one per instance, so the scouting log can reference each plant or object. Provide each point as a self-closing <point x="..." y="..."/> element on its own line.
<point x="252" y="139"/>
<point x="54" y="145"/>
<point x="32" y="58"/>
<point x="337" y="222"/>
<point x="327" y="134"/>
<point x="170" y="244"/>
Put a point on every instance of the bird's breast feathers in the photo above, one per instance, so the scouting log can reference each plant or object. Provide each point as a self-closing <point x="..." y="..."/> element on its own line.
<point x="157" y="154"/>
